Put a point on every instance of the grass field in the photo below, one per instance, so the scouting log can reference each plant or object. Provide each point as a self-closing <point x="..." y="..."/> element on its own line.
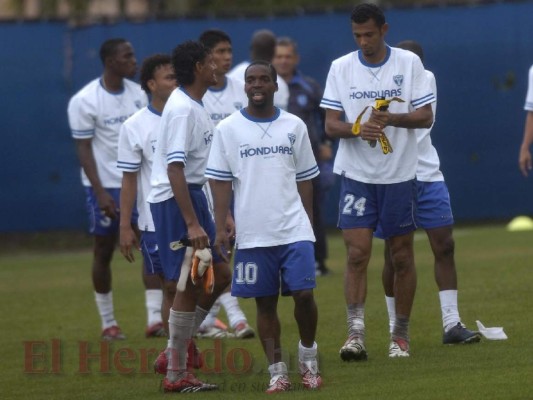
<point x="49" y="320"/>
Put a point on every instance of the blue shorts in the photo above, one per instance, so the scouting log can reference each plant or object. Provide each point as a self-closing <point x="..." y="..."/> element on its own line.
<point x="170" y="227"/>
<point x="366" y="205"/>
<point x="259" y="272"/>
<point x="99" y="224"/>
<point x="150" y="251"/>
<point x="434" y="209"/>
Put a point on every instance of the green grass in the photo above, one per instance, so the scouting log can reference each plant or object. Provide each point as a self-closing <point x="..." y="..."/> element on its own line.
<point x="46" y="295"/>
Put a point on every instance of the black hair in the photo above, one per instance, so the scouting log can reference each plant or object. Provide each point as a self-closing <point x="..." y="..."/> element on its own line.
<point x="366" y="11"/>
<point x="273" y="72"/>
<point x="413" y="47"/>
<point x="184" y="59"/>
<point x="263" y="45"/>
<point x="149" y="66"/>
<point x="109" y="48"/>
<point x="287" y="41"/>
<point x="211" y="37"/>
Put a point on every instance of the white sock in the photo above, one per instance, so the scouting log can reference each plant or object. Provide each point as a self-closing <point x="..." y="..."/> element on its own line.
<point x="233" y="310"/>
<point x="180" y="326"/>
<point x="391" y="309"/>
<point x="448" y="306"/>
<point x="153" y="298"/>
<point x="209" y="320"/>
<point x="199" y="317"/>
<point x="307" y="353"/>
<point x="104" y="302"/>
<point x="278" y="369"/>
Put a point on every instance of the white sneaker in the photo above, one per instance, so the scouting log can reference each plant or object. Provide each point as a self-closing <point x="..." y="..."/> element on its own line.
<point x="279" y="383"/>
<point x="214" y="332"/>
<point x="244" y="331"/>
<point x="353" y="349"/>
<point x="399" y="348"/>
<point x="311" y="378"/>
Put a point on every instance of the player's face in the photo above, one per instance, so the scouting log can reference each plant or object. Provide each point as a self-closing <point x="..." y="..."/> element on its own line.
<point x="285" y="60"/>
<point x="259" y="86"/>
<point x="123" y="62"/>
<point x="222" y="56"/>
<point x="370" y="38"/>
<point x="207" y="70"/>
<point x="163" y="83"/>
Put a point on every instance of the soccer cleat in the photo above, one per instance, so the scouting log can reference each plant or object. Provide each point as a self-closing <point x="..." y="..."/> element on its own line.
<point x="310" y="375"/>
<point x="244" y="331"/>
<point x="399" y="348"/>
<point x="113" y="333"/>
<point x="214" y="332"/>
<point x="460" y="335"/>
<point x="187" y="384"/>
<point x="194" y="359"/>
<point x="155" y="330"/>
<point x="353" y="350"/>
<point x="279" y="383"/>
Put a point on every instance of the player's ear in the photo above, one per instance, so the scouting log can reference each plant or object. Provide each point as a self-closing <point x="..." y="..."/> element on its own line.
<point x="384" y="28"/>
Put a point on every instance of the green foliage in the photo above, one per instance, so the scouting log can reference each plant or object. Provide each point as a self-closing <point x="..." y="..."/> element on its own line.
<point x="47" y="297"/>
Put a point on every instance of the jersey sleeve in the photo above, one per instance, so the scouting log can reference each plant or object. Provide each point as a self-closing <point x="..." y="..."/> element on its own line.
<point x="218" y="166"/>
<point x="179" y="138"/>
<point x="129" y="150"/>
<point x="81" y="118"/>
<point x="422" y="92"/>
<point x="306" y="166"/>
<point x="529" y="97"/>
<point x="331" y="98"/>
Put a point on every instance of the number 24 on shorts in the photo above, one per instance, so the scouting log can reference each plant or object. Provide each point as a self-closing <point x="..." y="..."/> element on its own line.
<point x="357" y="205"/>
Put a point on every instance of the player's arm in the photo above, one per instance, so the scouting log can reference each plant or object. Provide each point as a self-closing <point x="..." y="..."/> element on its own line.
<point x="524" y="159"/>
<point x="176" y="176"/>
<point x="222" y="192"/>
<point x="305" y="189"/>
<point x="128" y="194"/>
<point x="335" y="126"/>
<point x="85" y="154"/>
<point x="420" y="118"/>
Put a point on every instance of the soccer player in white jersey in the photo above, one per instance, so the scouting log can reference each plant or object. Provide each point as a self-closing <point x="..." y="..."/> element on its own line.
<point x="376" y="188"/>
<point x="434" y="215"/>
<point x="220" y="101"/>
<point x="265" y="154"/>
<point x="136" y="147"/>
<point x="524" y="159"/>
<point x="179" y="206"/>
<point x="95" y="115"/>
<point x="263" y="47"/>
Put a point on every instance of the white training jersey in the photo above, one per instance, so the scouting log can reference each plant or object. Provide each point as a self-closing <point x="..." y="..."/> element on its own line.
<point x="265" y="158"/>
<point x="185" y="135"/>
<point x="353" y="84"/>
<point x="220" y="103"/>
<point x="529" y="97"/>
<point x="281" y="97"/>
<point x="96" y="114"/>
<point x="428" y="158"/>
<point x="136" y="147"/>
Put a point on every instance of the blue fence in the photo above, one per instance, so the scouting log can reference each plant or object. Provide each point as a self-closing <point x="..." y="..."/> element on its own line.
<point x="479" y="55"/>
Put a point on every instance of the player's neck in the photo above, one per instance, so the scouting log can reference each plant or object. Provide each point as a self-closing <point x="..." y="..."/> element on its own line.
<point x="378" y="57"/>
<point x="221" y="82"/>
<point x="157" y="104"/>
<point x="112" y="83"/>
<point x="195" y="90"/>
<point x="261" y="112"/>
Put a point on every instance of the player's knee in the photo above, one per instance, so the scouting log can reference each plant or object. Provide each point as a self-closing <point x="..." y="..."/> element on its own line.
<point x="304" y="298"/>
<point x="402" y="260"/>
<point x="358" y="257"/>
<point x="445" y="249"/>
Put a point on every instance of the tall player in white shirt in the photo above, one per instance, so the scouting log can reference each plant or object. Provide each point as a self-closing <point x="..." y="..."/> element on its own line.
<point x="136" y="148"/>
<point x="220" y="101"/>
<point x="179" y="206"/>
<point x="263" y="47"/>
<point x="377" y="188"/>
<point x="524" y="159"/>
<point x="265" y="154"/>
<point x="434" y="215"/>
<point x="95" y="116"/>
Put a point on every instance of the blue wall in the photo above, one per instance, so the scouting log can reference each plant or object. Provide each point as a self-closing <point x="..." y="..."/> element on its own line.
<point x="479" y="55"/>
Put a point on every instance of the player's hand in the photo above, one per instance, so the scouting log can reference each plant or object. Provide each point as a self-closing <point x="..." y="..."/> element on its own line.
<point x="381" y="118"/>
<point x="371" y="130"/>
<point x="128" y="241"/>
<point x="197" y="236"/>
<point x="524" y="161"/>
<point x="222" y="245"/>
<point x="230" y="226"/>
<point x="107" y="204"/>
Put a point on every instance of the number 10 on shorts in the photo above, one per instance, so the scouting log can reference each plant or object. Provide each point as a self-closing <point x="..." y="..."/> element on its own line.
<point x="246" y="274"/>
